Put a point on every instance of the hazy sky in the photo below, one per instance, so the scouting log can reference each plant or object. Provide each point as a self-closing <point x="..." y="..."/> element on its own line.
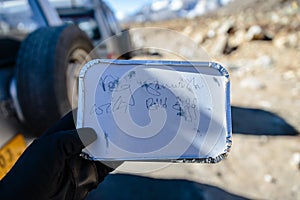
<point x="122" y="7"/>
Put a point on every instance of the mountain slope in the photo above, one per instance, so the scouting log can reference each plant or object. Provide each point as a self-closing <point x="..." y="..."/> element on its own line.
<point x="169" y="9"/>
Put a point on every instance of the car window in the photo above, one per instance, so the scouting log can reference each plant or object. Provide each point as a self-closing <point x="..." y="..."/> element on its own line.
<point x="17" y="18"/>
<point x="71" y="3"/>
<point x="111" y="20"/>
<point x="80" y="13"/>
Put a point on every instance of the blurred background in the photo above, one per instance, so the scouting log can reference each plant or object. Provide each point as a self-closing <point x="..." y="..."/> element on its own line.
<point x="259" y="43"/>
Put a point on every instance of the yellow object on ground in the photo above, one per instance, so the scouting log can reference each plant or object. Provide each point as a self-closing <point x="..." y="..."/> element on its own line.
<point x="10" y="153"/>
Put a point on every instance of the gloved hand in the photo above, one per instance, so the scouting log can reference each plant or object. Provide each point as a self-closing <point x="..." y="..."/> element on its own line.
<point x="51" y="168"/>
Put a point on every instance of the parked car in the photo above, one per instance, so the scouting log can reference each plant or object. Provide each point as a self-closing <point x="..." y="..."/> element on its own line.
<point x="43" y="44"/>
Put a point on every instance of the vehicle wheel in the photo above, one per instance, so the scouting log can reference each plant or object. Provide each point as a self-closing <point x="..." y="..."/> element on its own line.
<point x="48" y="65"/>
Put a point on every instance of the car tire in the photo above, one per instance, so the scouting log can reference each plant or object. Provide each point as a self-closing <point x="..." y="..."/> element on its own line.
<point x="41" y="74"/>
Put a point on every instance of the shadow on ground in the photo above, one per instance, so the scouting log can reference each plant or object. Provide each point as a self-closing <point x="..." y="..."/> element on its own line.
<point x="123" y="186"/>
<point x="259" y="122"/>
<point x="244" y="121"/>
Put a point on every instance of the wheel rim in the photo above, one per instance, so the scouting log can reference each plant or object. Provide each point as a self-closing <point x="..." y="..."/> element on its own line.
<point x="77" y="58"/>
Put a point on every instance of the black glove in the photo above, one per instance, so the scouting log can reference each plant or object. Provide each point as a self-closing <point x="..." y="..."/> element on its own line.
<point x="51" y="167"/>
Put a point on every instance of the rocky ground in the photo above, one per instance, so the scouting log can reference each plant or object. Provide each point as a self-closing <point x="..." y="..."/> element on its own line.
<point x="259" y="43"/>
